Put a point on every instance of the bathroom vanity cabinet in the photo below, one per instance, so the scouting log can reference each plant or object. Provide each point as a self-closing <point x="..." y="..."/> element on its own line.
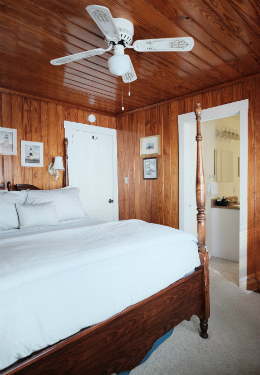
<point x="224" y="231"/>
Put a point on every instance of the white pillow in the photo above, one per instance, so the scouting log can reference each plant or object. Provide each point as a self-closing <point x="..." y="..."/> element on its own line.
<point x="68" y="205"/>
<point x="37" y="215"/>
<point x="8" y="214"/>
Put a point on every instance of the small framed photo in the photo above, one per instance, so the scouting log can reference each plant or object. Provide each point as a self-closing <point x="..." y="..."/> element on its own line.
<point x="31" y="154"/>
<point x="150" y="145"/>
<point x="8" y="141"/>
<point x="150" y="168"/>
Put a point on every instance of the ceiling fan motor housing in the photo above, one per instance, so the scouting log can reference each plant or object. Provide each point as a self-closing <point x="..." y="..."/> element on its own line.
<point x="125" y="29"/>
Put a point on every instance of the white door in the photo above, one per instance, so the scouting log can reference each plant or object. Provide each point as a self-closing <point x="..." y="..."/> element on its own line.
<point x="93" y="168"/>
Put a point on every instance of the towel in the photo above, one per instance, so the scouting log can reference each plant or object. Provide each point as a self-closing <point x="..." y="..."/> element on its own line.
<point x="213" y="188"/>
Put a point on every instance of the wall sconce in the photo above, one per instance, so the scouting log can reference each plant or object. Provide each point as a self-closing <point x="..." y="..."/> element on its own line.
<point x="228" y="133"/>
<point x="56" y="167"/>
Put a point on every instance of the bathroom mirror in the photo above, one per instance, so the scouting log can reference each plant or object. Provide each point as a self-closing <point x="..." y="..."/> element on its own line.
<point x="217" y="164"/>
<point x="227" y="166"/>
<point x="223" y="165"/>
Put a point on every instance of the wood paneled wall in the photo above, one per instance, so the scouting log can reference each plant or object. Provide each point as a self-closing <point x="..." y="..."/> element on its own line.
<point x="157" y="201"/>
<point x="39" y="121"/>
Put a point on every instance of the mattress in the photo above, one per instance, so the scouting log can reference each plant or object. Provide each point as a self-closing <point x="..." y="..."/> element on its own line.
<point x="55" y="282"/>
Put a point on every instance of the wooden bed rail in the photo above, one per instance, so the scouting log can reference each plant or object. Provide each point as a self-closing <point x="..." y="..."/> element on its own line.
<point x="201" y="226"/>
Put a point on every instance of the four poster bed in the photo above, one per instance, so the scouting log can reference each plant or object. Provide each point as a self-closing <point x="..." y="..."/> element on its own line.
<point x="120" y="342"/>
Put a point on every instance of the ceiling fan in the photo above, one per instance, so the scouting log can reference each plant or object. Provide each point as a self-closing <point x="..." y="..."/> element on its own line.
<point x="119" y="35"/>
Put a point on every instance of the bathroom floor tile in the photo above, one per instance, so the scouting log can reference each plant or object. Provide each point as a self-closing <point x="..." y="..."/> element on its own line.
<point x="234" y="269"/>
<point x="232" y="277"/>
<point x="213" y="272"/>
<point x="221" y="264"/>
<point x="223" y="270"/>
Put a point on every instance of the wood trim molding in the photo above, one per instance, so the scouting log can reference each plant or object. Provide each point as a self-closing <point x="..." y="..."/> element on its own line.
<point x="117" y="115"/>
<point x="2" y="89"/>
<point x="253" y="284"/>
<point x="190" y="95"/>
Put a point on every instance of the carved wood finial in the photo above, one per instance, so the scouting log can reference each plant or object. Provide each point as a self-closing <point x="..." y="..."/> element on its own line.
<point x="66" y="174"/>
<point x="198" y="111"/>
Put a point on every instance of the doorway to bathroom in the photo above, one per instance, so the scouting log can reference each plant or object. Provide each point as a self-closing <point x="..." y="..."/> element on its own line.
<point x="221" y="161"/>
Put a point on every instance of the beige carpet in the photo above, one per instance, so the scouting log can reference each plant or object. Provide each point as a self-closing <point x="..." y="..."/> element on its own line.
<point x="233" y="346"/>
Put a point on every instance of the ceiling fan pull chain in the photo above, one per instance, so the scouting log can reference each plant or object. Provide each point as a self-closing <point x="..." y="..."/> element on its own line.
<point x="110" y="47"/>
<point x="122" y="97"/>
<point x="129" y="90"/>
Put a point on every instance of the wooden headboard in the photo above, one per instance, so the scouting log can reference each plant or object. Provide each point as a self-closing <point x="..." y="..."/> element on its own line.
<point x="20" y="187"/>
<point x="2" y="186"/>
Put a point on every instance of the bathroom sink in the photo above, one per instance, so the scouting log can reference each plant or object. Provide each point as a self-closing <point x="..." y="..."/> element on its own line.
<point x="235" y="206"/>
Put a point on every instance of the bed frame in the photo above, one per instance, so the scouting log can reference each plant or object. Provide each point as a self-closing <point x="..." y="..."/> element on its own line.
<point x="121" y="342"/>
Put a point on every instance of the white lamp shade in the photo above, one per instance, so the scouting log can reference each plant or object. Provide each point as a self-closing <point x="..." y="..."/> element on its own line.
<point x="58" y="164"/>
<point x="119" y="64"/>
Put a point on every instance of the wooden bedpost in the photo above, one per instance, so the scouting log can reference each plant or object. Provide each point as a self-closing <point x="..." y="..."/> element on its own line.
<point x="66" y="174"/>
<point x="201" y="226"/>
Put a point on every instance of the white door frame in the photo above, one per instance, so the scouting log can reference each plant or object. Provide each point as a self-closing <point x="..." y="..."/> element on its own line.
<point x="71" y="126"/>
<point x="184" y="121"/>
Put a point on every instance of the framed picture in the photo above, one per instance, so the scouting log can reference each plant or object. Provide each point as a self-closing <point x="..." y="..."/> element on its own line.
<point x="150" y="145"/>
<point x="31" y="154"/>
<point x="8" y="141"/>
<point x="150" y="168"/>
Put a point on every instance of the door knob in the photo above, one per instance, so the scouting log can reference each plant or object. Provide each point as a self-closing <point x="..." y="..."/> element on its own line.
<point x="110" y="201"/>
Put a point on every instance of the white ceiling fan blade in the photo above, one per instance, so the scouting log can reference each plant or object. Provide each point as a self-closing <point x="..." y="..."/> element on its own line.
<point x="164" y="45"/>
<point x="79" y="56"/>
<point x="104" y="20"/>
<point x="130" y="76"/>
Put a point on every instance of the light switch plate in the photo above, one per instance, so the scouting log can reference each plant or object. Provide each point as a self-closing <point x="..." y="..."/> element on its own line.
<point x="126" y="180"/>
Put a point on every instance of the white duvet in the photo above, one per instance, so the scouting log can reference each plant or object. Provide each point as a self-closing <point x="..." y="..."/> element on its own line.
<point x="54" y="283"/>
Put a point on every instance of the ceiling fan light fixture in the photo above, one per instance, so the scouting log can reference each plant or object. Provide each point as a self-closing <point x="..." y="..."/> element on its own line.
<point x="119" y="64"/>
<point x="119" y="35"/>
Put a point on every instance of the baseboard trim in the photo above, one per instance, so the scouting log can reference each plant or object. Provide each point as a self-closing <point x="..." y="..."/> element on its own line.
<point x="253" y="284"/>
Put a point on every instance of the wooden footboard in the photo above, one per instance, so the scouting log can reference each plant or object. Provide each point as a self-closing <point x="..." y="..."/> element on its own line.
<point x="121" y="342"/>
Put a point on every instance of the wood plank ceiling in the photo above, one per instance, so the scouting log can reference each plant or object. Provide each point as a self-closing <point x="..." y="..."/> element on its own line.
<point x="227" y="47"/>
